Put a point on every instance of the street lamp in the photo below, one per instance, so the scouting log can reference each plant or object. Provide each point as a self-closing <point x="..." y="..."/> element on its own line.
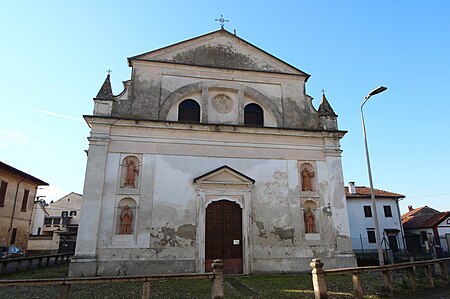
<point x="372" y="192"/>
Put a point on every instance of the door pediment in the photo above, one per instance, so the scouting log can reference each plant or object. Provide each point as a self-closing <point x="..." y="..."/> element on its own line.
<point x="225" y="177"/>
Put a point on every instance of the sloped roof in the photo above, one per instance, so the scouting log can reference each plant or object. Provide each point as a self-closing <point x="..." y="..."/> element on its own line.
<point x="220" y="49"/>
<point x="224" y="167"/>
<point x="22" y="174"/>
<point x="325" y="107"/>
<point x="424" y="221"/>
<point x="425" y="210"/>
<point x="105" y="92"/>
<point x="364" y="192"/>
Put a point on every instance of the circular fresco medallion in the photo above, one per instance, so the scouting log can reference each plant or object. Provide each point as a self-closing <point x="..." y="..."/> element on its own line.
<point x="222" y="103"/>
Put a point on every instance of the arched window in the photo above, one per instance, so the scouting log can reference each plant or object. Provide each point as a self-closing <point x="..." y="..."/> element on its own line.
<point x="253" y="115"/>
<point x="189" y="111"/>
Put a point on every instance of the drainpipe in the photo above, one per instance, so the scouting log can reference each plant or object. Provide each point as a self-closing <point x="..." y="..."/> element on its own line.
<point x="401" y="226"/>
<point x="14" y="206"/>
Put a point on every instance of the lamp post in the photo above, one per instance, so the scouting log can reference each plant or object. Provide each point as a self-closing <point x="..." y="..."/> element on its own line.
<point x="372" y="192"/>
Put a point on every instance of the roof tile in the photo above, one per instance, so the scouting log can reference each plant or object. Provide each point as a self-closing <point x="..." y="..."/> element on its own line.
<point x="424" y="220"/>
<point x="364" y="192"/>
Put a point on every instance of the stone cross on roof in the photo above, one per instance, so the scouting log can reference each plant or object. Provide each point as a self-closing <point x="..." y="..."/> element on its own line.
<point x="222" y="21"/>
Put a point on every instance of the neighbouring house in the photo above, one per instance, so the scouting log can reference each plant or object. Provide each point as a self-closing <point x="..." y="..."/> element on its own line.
<point x="427" y="231"/>
<point x="362" y="225"/>
<point x="55" y="225"/>
<point x="17" y="193"/>
<point x="212" y="150"/>
<point x="37" y="217"/>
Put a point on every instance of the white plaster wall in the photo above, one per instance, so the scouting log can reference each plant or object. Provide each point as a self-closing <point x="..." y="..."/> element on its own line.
<point x="70" y="202"/>
<point x="359" y="223"/>
<point x="277" y="217"/>
<point x="175" y="77"/>
<point x="166" y="214"/>
<point x="38" y="219"/>
<point x="444" y="226"/>
<point x="444" y="234"/>
<point x="273" y="86"/>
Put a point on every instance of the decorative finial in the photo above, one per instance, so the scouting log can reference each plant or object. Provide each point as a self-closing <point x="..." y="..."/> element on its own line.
<point x="222" y="21"/>
<point x="323" y="91"/>
<point x="109" y="71"/>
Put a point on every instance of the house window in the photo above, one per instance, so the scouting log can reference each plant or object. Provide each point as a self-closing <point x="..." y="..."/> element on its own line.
<point x="56" y="221"/>
<point x="48" y="221"/>
<point x="73" y="213"/>
<point x="253" y="115"/>
<point x="3" y="187"/>
<point x="387" y="211"/>
<point x="25" y="200"/>
<point x="367" y="211"/>
<point x="13" y="236"/>
<point x="64" y="214"/>
<point x="371" y="236"/>
<point x="189" y="111"/>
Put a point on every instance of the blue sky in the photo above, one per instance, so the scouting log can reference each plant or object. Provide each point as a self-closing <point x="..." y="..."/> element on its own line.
<point x="55" y="54"/>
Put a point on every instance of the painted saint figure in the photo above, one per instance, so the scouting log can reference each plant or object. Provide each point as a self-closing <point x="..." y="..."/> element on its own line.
<point x="306" y="179"/>
<point x="131" y="174"/>
<point x="126" y="218"/>
<point x="309" y="222"/>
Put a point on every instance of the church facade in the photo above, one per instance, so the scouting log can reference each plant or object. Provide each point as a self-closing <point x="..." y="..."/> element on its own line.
<point x="212" y="150"/>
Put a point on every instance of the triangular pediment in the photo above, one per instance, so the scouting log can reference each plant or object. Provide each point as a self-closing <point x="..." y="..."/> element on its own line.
<point x="224" y="175"/>
<point x="220" y="49"/>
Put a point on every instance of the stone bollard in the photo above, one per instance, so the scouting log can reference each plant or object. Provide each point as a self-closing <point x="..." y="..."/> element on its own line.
<point x="358" y="290"/>
<point x="146" y="290"/>
<point x="412" y="278"/>
<point x="429" y="275"/>
<point x="64" y="291"/>
<point x="411" y="260"/>
<point x="387" y="285"/>
<point x="318" y="278"/>
<point x="443" y="270"/>
<point x="217" y="281"/>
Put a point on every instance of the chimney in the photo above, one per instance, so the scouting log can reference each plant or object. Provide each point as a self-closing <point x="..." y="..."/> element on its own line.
<point x="351" y="188"/>
<point x="410" y="208"/>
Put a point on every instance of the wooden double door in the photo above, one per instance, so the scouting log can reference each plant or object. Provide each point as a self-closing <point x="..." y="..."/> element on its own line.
<point x="224" y="236"/>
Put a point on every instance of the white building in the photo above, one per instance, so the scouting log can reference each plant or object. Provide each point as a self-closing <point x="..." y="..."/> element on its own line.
<point x="201" y="157"/>
<point x="362" y="225"/>
<point x="55" y="225"/>
<point x="37" y="217"/>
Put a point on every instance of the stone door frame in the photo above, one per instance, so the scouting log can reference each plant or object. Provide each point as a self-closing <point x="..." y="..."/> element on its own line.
<point x="209" y="190"/>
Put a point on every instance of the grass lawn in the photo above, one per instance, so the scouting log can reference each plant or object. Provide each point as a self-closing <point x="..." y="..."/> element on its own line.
<point x="236" y="287"/>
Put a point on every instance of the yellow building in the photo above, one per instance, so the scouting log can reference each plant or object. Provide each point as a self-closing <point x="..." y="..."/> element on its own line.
<point x="17" y="192"/>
